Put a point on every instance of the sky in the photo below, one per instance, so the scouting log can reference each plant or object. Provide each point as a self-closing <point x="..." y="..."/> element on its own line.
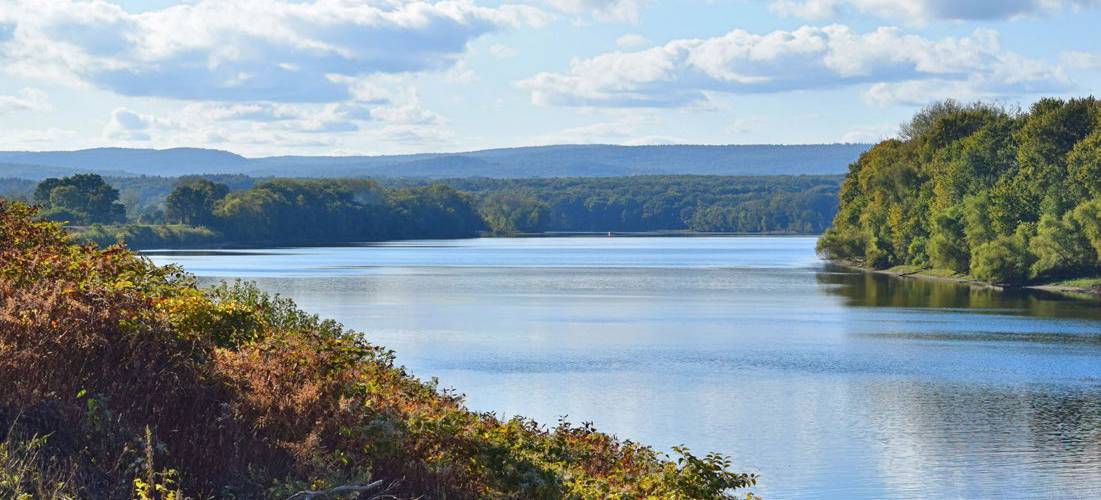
<point x="339" y="77"/>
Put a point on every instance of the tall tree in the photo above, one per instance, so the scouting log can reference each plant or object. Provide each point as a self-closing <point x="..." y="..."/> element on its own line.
<point x="192" y="202"/>
<point x="80" y="199"/>
<point x="1008" y="197"/>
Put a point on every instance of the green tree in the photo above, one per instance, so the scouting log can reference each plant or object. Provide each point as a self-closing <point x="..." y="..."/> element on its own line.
<point x="192" y="202"/>
<point x="1005" y="260"/>
<point x="1060" y="247"/>
<point x="1046" y="135"/>
<point x="434" y="211"/>
<point x="976" y="220"/>
<point x="1088" y="217"/>
<point x="80" y="199"/>
<point x="1009" y="196"/>
<point x="947" y="247"/>
<point x="1084" y="165"/>
<point x="510" y="213"/>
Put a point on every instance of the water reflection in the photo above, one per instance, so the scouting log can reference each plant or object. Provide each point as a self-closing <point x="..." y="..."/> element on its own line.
<point x="984" y="442"/>
<point x="866" y="289"/>
<point x="829" y="382"/>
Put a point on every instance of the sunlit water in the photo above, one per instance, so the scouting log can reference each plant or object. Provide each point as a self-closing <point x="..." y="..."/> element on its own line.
<point x="826" y="382"/>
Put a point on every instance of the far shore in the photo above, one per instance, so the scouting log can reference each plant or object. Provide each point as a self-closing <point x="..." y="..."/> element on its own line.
<point x="1089" y="287"/>
<point x="212" y="241"/>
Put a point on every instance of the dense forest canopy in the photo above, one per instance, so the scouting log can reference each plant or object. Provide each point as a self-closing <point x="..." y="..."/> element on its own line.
<point x="80" y="199"/>
<point x="776" y="204"/>
<point x="235" y="209"/>
<point x="1008" y="197"/>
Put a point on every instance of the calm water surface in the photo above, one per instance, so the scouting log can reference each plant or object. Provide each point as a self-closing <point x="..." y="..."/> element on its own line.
<point x="828" y="383"/>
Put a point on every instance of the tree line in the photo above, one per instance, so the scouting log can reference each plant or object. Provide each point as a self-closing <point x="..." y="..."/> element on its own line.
<point x="1006" y="196"/>
<point x="281" y="211"/>
<point x="770" y="204"/>
<point x="198" y="210"/>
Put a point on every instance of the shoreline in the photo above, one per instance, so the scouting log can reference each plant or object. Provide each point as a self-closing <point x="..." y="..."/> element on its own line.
<point x="214" y="243"/>
<point x="1091" y="292"/>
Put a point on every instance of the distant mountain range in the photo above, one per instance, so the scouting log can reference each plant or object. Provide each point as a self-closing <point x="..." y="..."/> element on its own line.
<point x="539" y="161"/>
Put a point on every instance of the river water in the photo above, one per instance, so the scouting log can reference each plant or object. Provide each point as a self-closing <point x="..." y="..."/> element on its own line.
<point x="826" y="382"/>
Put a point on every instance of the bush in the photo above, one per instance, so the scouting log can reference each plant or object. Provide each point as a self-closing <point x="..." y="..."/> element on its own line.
<point x="142" y="385"/>
<point x="149" y="236"/>
<point x="841" y="244"/>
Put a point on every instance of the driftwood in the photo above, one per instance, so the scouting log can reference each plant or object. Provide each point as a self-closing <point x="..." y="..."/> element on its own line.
<point x="340" y="490"/>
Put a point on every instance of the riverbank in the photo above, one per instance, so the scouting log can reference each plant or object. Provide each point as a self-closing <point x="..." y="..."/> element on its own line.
<point x="124" y="375"/>
<point x="183" y="237"/>
<point x="1085" y="287"/>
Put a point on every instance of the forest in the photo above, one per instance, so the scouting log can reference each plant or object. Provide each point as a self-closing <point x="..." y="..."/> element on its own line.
<point x="776" y="204"/>
<point x="1003" y="196"/>
<point x="197" y="211"/>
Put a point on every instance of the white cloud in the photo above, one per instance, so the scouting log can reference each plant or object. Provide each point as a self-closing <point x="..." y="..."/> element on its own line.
<point x="126" y="125"/>
<point x="424" y="138"/>
<point x="924" y="10"/>
<point x="502" y="51"/>
<point x="37" y="139"/>
<point x="390" y="112"/>
<point x="27" y="100"/>
<point x="257" y="111"/>
<point x="627" y="129"/>
<point x="741" y="126"/>
<point x="1081" y="60"/>
<point x="270" y="50"/>
<point x="624" y="11"/>
<point x="869" y="134"/>
<point x="406" y="114"/>
<point x="372" y="89"/>
<point x="403" y="119"/>
<point x="684" y="72"/>
<point x="631" y="40"/>
<point x="461" y="73"/>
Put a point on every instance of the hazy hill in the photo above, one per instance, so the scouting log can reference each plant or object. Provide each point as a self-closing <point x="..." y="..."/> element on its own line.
<point x="542" y="161"/>
<point x="115" y="161"/>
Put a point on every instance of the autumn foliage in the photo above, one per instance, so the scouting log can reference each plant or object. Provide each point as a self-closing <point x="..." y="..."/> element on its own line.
<point x="123" y="379"/>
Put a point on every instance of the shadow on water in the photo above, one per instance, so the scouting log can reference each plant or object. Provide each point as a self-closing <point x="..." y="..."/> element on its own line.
<point x="205" y="253"/>
<point x="867" y="289"/>
<point x="1005" y="437"/>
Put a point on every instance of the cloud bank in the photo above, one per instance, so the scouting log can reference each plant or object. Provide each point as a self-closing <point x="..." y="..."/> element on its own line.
<point x="898" y="66"/>
<point x="624" y="11"/>
<point x="248" y="50"/>
<point x="28" y="99"/>
<point x="925" y="10"/>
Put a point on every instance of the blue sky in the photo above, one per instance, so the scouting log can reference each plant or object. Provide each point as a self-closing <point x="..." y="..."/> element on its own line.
<point x="269" y="77"/>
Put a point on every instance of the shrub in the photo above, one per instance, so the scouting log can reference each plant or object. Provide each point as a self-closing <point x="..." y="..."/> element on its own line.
<point x="142" y="385"/>
<point x="841" y="244"/>
<point x="149" y="235"/>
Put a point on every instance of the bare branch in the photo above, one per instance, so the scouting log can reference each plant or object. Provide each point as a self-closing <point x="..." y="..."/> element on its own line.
<point x="339" y="490"/>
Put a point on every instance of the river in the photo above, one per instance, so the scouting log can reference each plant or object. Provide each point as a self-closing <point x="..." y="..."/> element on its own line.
<point x="825" y="381"/>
